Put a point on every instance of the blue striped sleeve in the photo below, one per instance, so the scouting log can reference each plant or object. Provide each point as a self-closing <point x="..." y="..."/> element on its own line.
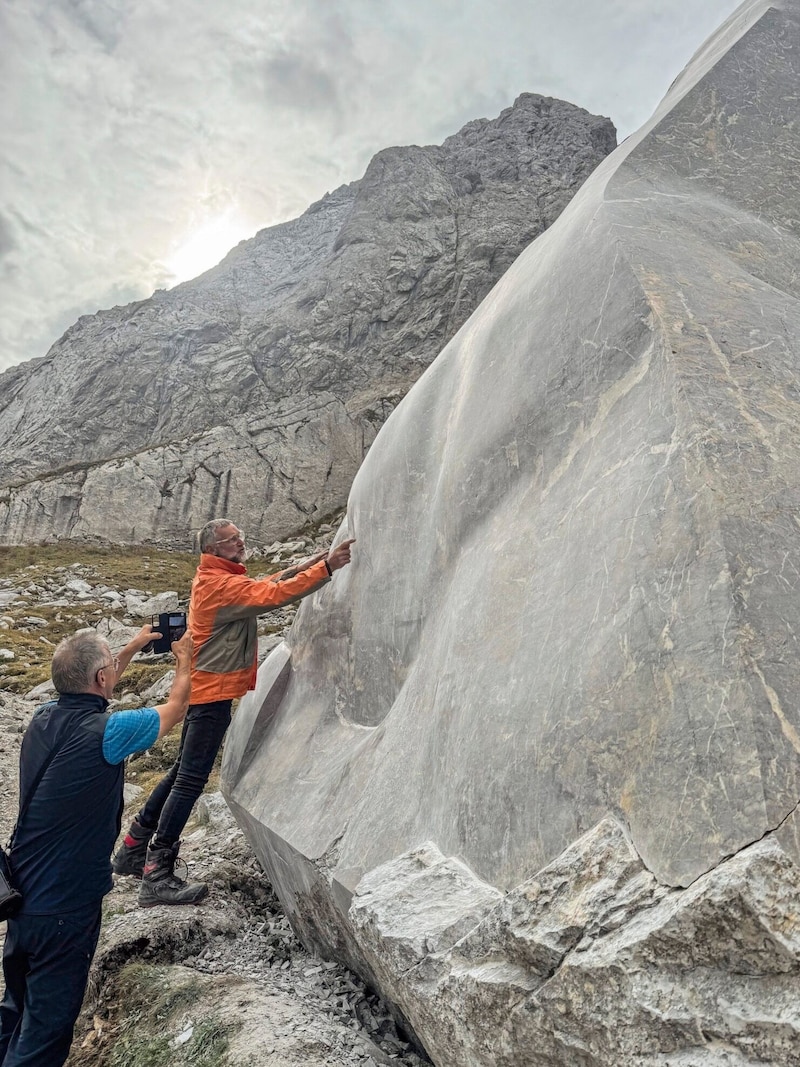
<point x="129" y="731"/>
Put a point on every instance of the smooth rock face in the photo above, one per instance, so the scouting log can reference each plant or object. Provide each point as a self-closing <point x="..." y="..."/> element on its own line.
<point x="256" y="389"/>
<point x="574" y="597"/>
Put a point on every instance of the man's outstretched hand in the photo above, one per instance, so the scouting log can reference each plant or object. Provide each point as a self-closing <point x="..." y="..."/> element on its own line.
<point x="340" y="556"/>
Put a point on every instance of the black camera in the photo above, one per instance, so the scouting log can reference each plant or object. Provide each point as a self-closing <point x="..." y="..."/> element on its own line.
<point x="171" y="625"/>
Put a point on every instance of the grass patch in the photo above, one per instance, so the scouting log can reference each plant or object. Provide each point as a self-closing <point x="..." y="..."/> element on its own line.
<point x="33" y="644"/>
<point x="159" y="1002"/>
<point x="209" y="1043"/>
<point x="122" y="567"/>
<point x="144" y="988"/>
<point x="140" y="675"/>
<point x="49" y="568"/>
<point x="132" y="1050"/>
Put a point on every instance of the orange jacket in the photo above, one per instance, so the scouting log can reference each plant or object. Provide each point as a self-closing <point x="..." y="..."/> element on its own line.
<point x="222" y="618"/>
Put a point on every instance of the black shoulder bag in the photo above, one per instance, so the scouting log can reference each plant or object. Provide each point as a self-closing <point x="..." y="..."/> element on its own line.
<point x="10" y="899"/>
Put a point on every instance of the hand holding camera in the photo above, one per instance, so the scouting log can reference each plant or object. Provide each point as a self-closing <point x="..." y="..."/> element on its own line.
<point x="182" y="651"/>
<point x="165" y="628"/>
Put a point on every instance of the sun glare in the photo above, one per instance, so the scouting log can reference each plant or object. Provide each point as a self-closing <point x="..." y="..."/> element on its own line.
<point x="206" y="247"/>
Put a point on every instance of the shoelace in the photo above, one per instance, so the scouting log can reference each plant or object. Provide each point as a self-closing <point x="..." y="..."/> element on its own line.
<point x="181" y="864"/>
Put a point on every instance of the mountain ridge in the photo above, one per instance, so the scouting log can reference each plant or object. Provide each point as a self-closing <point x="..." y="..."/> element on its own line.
<point x="285" y="358"/>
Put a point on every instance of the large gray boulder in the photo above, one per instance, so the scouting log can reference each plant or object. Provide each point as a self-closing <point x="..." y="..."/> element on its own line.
<point x="573" y="610"/>
<point x="257" y="388"/>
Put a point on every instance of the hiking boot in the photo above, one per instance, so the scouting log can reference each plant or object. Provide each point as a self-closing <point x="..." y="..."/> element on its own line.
<point x="160" y="884"/>
<point x="131" y="854"/>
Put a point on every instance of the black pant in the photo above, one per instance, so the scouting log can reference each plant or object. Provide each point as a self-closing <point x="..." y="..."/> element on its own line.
<point x="46" y="961"/>
<point x="169" y="806"/>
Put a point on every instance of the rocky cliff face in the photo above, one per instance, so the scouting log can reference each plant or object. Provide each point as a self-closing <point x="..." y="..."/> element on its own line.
<point x="257" y="388"/>
<point x="532" y="761"/>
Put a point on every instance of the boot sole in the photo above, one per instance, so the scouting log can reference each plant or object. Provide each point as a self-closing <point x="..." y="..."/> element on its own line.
<point x="173" y="903"/>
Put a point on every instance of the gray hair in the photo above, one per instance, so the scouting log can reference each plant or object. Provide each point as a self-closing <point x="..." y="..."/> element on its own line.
<point x="208" y="535"/>
<point x="77" y="660"/>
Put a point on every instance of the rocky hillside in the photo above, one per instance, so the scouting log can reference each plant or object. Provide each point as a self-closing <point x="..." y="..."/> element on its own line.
<point x="257" y="388"/>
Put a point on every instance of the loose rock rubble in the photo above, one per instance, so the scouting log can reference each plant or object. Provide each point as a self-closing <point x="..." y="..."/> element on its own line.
<point x="248" y="972"/>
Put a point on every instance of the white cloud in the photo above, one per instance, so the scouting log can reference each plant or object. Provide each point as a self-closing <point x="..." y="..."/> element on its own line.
<point x="130" y="127"/>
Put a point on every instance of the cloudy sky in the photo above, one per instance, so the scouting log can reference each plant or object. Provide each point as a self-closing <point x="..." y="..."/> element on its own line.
<point x="143" y="138"/>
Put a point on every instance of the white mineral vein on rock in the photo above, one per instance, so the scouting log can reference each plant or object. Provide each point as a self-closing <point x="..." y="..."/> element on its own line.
<point x="565" y="656"/>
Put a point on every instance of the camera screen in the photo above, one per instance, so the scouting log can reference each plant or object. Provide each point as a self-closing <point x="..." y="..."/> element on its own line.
<point x="177" y="620"/>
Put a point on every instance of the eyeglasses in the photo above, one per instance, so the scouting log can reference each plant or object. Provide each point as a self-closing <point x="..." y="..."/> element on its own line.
<point x="233" y="537"/>
<point x="114" y="663"/>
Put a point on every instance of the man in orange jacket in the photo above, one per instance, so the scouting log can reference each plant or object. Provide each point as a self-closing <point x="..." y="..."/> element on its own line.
<point x="223" y="608"/>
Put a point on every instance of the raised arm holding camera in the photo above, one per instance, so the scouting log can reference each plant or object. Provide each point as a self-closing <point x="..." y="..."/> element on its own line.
<point x="61" y="847"/>
<point x="223" y="609"/>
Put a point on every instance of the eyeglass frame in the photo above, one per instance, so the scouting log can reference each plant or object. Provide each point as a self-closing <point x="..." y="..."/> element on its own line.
<point x="114" y="663"/>
<point x="240" y="536"/>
